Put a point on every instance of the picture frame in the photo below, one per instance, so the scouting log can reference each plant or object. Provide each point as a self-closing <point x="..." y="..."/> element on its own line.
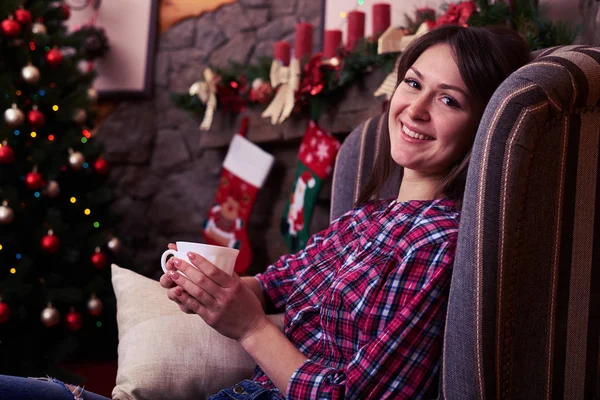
<point x="127" y="70"/>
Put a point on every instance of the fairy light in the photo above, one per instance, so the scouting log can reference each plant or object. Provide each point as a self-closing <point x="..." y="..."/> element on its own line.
<point x="85" y="165"/>
<point x="87" y="134"/>
<point x="55" y="108"/>
<point x="96" y="224"/>
<point x="47" y="48"/>
<point x="18" y="92"/>
<point x="33" y="134"/>
<point x="13" y="270"/>
<point x="17" y="132"/>
<point x="98" y="324"/>
<point x="36" y="195"/>
<point x="51" y="137"/>
<point x="18" y="256"/>
<point x="343" y="14"/>
<point x="42" y="92"/>
<point x="32" y="46"/>
<point x="0" y="247"/>
<point x="87" y="211"/>
<point x="361" y="2"/>
<point x="83" y="140"/>
<point x="73" y="200"/>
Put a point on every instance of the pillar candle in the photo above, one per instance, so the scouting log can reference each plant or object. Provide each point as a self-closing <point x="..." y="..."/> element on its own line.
<point x="303" y="40"/>
<point x="356" y="28"/>
<point x="333" y="39"/>
<point x="382" y="15"/>
<point x="281" y="52"/>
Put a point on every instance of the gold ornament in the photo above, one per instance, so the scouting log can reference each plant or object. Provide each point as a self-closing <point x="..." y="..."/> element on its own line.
<point x="50" y="316"/>
<point x="94" y="305"/>
<point x="39" y="29"/>
<point x="30" y="74"/>
<point x="14" y="117"/>
<point x="114" y="245"/>
<point x="395" y="40"/>
<point x="79" y="116"/>
<point x="92" y="95"/>
<point x="76" y="160"/>
<point x="6" y="213"/>
<point x="287" y="80"/>
<point x="52" y="189"/>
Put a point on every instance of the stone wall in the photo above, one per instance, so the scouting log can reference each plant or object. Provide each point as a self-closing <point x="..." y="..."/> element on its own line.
<point x="166" y="171"/>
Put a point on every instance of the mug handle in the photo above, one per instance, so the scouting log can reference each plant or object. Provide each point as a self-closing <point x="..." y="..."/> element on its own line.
<point x="163" y="258"/>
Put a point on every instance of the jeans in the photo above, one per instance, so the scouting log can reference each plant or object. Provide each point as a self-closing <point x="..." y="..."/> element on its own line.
<point x="246" y="390"/>
<point x="16" y="388"/>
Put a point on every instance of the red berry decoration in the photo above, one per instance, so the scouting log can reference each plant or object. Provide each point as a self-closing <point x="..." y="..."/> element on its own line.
<point x="4" y="312"/>
<point x="50" y="243"/>
<point x="36" y="118"/>
<point x="54" y="58"/>
<point x="34" y="180"/>
<point x="11" y="28"/>
<point x="74" y="321"/>
<point x="7" y="155"/>
<point x="98" y="259"/>
<point x="23" y="16"/>
<point x="101" y="166"/>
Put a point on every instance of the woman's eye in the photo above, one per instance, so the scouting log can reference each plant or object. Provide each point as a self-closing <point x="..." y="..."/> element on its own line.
<point x="412" y="83"/>
<point x="449" y="101"/>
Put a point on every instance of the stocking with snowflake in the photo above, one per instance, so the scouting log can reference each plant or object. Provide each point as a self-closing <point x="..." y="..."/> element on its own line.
<point x="315" y="163"/>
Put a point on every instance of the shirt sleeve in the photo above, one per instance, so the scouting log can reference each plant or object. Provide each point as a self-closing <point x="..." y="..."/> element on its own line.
<point x="402" y="361"/>
<point x="278" y="279"/>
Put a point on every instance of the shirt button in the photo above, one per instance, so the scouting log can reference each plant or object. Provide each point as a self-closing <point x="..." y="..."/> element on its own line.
<point x="238" y="389"/>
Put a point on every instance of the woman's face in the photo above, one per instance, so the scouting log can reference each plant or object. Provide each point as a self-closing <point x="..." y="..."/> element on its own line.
<point x="433" y="118"/>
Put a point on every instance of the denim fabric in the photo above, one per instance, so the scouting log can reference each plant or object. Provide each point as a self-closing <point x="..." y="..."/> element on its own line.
<point x="16" y="388"/>
<point x="246" y="390"/>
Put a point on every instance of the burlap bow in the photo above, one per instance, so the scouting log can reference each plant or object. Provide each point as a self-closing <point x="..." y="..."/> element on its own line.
<point x="207" y="93"/>
<point x="287" y="79"/>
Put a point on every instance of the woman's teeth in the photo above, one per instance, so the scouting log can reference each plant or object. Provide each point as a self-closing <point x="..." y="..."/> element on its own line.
<point x="415" y="134"/>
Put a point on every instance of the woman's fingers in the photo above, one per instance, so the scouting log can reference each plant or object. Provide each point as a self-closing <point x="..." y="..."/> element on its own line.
<point x="172" y="246"/>
<point x="173" y="295"/>
<point x="196" y="290"/>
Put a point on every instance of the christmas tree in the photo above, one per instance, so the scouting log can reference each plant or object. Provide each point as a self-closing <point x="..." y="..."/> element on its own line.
<point x="56" y="301"/>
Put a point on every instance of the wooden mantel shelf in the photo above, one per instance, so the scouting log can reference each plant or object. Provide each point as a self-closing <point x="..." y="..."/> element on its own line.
<point x="357" y="106"/>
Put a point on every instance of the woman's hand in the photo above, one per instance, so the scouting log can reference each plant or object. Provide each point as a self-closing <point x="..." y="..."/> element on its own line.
<point x="222" y="301"/>
<point x="167" y="282"/>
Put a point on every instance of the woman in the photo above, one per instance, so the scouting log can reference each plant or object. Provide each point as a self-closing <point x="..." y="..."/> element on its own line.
<point x="365" y="301"/>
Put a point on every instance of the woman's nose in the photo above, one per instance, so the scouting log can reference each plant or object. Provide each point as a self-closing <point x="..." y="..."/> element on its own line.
<point x="419" y="108"/>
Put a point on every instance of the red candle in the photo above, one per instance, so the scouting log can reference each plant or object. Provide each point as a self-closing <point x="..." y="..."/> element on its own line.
<point x="281" y="52"/>
<point x="356" y="28"/>
<point x="303" y="40"/>
<point x="382" y="14"/>
<point x="333" y="39"/>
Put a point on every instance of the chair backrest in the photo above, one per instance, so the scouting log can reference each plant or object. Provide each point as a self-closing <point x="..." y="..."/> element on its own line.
<point x="524" y="310"/>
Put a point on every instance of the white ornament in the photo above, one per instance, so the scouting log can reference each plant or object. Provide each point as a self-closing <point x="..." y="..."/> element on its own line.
<point x="92" y="95"/>
<point x="256" y="83"/>
<point x="14" y="117"/>
<point x="30" y="74"/>
<point x="114" y="245"/>
<point x="76" y="160"/>
<point x="39" y="29"/>
<point x="6" y="214"/>
<point x="79" y="116"/>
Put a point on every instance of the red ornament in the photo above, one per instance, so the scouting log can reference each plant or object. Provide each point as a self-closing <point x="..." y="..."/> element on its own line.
<point x="23" y="16"/>
<point x="4" y="312"/>
<point x="99" y="259"/>
<point x="7" y="155"/>
<point x="74" y="321"/>
<point x="11" y="28"/>
<point x="66" y="11"/>
<point x="36" y="118"/>
<point x="54" y="57"/>
<point x="50" y="243"/>
<point x="34" y="180"/>
<point x="101" y="166"/>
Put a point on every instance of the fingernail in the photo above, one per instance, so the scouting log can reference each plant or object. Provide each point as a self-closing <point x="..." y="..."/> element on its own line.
<point x="191" y="255"/>
<point x="174" y="275"/>
<point x="178" y="291"/>
<point x="176" y="261"/>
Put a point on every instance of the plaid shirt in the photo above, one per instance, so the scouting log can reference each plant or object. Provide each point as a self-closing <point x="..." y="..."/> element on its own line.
<point x="366" y="300"/>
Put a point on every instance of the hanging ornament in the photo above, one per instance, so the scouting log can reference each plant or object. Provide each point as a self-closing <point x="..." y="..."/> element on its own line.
<point x="39" y="29"/>
<point x="52" y="189"/>
<point x="6" y="214"/>
<point x="50" y="316"/>
<point x="79" y="116"/>
<point x="101" y="166"/>
<point x="54" y="58"/>
<point x="76" y="160"/>
<point x="94" y="305"/>
<point x="92" y="95"/>
<point x="50" y="243"/>
<point x="65" y="11"/>
<point x="261" y="92"/>
<point x="98" y="259"/>
<point x="30" y="74"/>
<point x="74" y="321"/>
<point x="94" y="44"/>
<point x="4" y="312"/>
<point x="36" y="118"/>
<point x="7" y="155"/>
<point x="14" y="117"/>
<point x="34" y="180"/>
<point x="114" y="245"/>
<point x="11" y="28"/>
<point x="23" y="16"/>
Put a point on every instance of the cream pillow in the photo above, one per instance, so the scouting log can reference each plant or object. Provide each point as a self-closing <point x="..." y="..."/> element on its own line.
<point x="165" y="353"/>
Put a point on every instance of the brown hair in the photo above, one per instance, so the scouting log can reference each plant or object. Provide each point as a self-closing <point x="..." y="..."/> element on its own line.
<point x="485" y="56"/>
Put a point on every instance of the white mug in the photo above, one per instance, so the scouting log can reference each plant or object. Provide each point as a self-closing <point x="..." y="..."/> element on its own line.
<point x="222" y="257"/>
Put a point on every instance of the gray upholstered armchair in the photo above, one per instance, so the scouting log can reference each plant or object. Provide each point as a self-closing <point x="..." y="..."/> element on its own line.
<point x="524" y="311"/>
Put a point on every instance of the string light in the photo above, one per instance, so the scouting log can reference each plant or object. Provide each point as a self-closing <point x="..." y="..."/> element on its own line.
<point x="96" y="224"/>
<point x="33" y="134"/>
<point x="87" y="211"/>
<point x="36" y="195"/>
<point x="87" y="133"/>
<point x="13" y="270"/>
<point x="343" y="14"/>
<point x="51" y="137"/>
<point x="47" y="48"/>
<point x="361" y="2"/>
<point x="32" y="46"/>
<point x="17" y="132"/>
<point x="0" y="247"/>
<point x="19" y="92"/>
<point x="55" y="108"/>
<point x="83" y="140"/>
<point x="42" y="92"/>
<point x="98" y="324"/>
<point x="18" y="256"/>
<point x="85" y="165"/>
<point x="73" y="200"/>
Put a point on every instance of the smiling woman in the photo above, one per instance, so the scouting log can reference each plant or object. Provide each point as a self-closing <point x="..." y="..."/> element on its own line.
<point x="173" y="11"/>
